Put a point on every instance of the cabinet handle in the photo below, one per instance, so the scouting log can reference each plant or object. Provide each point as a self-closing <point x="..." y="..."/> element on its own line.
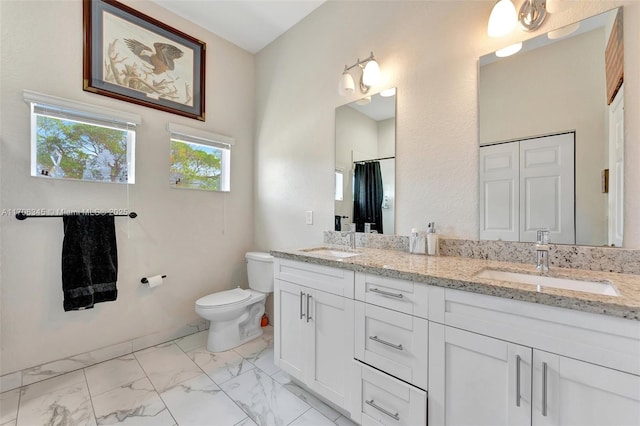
<point x="308" y="312"/>
<point x="372" y="403"/>
<point x="544" y="389"/>
<point x="377" y="339"/>
<point x="301" y="296"/>
<point x="386" y="293"/>
<point x="517" y="380"/>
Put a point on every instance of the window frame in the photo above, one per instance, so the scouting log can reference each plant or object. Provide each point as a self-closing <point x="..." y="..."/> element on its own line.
<point x="68" y="110"/>
<point x="224" y="143"/>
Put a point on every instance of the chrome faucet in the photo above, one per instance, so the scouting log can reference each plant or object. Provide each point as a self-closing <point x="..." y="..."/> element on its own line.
<point x="542" y="250"/>
<point x="352" y="235"/>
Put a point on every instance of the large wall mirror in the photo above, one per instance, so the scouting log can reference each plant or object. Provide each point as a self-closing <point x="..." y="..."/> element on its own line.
<point x="365" y="164"/>
<point x="551" y="140"/>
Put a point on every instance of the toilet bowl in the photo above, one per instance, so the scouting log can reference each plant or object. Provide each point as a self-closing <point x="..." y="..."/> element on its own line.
<point x="235" y="314"/>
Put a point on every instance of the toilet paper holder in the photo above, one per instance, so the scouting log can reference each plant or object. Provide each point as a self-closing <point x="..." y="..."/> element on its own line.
<point x="144" y="280"/>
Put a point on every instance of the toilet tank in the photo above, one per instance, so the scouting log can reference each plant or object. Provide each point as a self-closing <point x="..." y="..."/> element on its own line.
<point x="260" y="271"/>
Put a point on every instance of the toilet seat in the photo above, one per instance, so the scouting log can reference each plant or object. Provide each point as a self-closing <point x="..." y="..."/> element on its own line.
<point x="223" y="298"/>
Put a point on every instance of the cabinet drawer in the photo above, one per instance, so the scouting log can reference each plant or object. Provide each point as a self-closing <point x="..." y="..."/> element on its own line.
<point x="331" y="280"/>
<point x="380" y="399"/>
<point x="398" y="295"/>
<point x="393" y="342"/>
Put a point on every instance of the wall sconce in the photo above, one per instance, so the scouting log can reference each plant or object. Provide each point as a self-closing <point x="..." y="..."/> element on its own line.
<point x="370" y="76"/>
<point x="504" y="18"/>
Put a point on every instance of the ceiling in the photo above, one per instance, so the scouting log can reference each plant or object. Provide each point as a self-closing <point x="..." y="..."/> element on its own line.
<point x="249" y="24"/>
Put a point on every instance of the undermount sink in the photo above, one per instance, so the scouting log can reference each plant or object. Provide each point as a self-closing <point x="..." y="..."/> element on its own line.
<point x="594" y="287"/>
<point x="333" y="252"/>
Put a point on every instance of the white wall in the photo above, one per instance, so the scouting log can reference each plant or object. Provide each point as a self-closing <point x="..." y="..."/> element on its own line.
<point x="553" y="89"/>
<point x="197" y="238"/>
<point x="429" y="51"/>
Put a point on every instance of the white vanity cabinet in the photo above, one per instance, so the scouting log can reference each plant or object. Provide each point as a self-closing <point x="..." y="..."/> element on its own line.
<point x="502" y="362"/>
<point x="313" y="308"/>
<point x="391" y="335"/>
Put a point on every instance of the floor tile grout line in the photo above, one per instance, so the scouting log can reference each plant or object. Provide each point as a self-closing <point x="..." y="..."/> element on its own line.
<point x="302" y="414"/>
<point x="155" y="389"/>
<point x="18" y="407"/>
<point x="215" y="383"/>
<point x="93" y="408"/>
<point x="231" y="378"/>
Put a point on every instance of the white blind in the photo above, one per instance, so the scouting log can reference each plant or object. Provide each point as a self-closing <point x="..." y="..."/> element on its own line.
<point x="203" y="137"/>
<point x="77" y="111"/>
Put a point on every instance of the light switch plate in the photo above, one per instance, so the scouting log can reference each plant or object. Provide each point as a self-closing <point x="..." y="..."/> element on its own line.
<point x="308" y="217"/>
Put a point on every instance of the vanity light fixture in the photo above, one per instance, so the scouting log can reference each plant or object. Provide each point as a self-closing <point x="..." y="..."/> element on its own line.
<point x="563" y="32"/>
<point x="370" y="76"/>
<point x="509" y="50"/>
<point x="503" y="18"/>
<point x="388" y="92"/>
<point x="532" y="14"/>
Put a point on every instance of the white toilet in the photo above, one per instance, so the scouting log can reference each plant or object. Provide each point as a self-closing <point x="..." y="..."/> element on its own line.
<point x="235" y="314"/>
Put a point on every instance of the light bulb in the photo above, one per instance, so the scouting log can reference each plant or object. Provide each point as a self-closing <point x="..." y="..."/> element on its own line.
<point x="509" y="50"/>
<point x="503" y="19"/>
<point x="371" y="73"/>
<point x="346" y="86"/>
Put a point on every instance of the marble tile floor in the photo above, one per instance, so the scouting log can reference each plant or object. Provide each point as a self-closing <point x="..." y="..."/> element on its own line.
<point x="175" y="383"/>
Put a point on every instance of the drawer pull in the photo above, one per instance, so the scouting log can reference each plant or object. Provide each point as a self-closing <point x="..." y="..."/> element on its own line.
<point x="372" y="403"/>
<point x="377" y="339"/>
<point x="518" y="380"/>
<point x="308" y="311"/>
<point x="301" y="297"/>
<point x="386" y="293"/>
<point x="544" y="389"/>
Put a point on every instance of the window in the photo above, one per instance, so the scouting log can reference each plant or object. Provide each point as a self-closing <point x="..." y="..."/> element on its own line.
<point x="339" y="185"/>
<point x="71" y="140"/>
<point x="199" y="160"/>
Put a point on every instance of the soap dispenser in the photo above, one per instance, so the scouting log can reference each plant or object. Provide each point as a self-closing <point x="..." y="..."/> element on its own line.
<point x="433" y="246"/>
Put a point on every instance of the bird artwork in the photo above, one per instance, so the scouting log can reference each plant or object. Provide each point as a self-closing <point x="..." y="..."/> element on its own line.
<point x="161" y="59"/>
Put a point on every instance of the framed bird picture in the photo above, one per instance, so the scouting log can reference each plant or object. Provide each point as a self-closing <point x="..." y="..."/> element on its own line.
<point x="132" y="57"/>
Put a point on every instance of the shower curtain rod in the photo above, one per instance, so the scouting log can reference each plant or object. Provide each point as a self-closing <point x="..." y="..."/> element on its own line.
<point x="372" y="160"/>
<point x="23" y="216"/>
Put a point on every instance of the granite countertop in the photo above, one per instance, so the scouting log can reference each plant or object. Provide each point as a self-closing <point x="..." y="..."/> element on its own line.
<point x="460" y="273"/>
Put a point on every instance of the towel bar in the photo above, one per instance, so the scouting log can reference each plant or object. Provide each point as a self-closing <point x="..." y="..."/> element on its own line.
<point x="23" y="216"/>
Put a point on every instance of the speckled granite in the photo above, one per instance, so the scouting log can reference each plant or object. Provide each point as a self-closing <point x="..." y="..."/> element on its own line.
<point x="460" y="273"/>
<point x="606" y="259"/>
<point x="378" y="241"/>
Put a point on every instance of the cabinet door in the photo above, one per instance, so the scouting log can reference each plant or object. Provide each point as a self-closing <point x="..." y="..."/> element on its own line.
<point x="290" y="315"/>
<point x="571" y="392"/>
<point x="329" y="324"/>
<point x="478" y="380"/>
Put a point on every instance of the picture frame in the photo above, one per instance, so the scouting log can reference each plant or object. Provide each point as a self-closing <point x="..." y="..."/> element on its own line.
<point x="135" y="58"/>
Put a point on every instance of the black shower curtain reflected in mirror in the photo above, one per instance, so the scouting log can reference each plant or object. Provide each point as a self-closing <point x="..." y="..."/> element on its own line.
<point x="367" y="196"/>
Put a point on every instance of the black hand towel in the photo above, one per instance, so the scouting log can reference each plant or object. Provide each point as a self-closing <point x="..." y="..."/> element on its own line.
<point x="89" y="261"/>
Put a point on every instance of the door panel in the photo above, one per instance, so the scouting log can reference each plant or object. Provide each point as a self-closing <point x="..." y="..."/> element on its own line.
<point x="288" y="309"/>
<point x="330" y="329"/>
<point x="487" y="381"/>
<point x="547" y="188"/>
<point x="499" y="192"/>
<point x="580" y="393"/>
